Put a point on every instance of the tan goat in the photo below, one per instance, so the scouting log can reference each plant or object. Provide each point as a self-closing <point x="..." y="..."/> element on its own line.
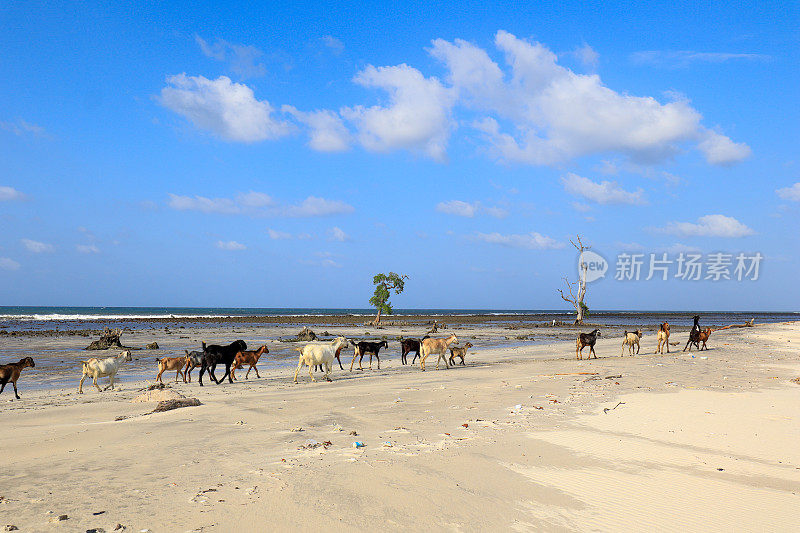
<point x="430" y="346"/>
<point x="172" y="363"/>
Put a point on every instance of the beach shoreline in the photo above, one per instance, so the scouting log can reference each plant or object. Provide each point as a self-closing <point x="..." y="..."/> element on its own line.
<point x="523" y="437"/>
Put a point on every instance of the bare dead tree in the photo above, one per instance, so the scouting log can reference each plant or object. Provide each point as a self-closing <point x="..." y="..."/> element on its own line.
<point x="577" y="290"/>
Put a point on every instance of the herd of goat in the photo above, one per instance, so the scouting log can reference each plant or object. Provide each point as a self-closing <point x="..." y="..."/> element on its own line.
<point x="320" y="355"/>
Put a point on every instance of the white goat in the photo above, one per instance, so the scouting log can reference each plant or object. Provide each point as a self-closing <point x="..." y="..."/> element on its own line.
<point x="319" y="354"/>
<point x="438" y="346"/>
<point x="98" y="368"/>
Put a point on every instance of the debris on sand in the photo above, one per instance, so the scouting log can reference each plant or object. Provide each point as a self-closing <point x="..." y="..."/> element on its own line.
<point x="169" y="405"/>
<point x="311" y="444"/>
<point x="152" y="346"/>
<point x="606" y="409"/>
<point x="167" y="399"/>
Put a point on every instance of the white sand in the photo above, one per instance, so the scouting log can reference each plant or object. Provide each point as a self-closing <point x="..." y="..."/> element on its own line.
<point x="234" y="463"/>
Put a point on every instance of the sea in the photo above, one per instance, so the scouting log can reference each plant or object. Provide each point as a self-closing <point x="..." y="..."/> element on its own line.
<point x="64" y="318"/>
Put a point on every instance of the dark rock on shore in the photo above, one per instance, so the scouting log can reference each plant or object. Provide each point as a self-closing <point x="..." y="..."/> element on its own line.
<point x="108" y="339"/>
<point x="306" y="335"/>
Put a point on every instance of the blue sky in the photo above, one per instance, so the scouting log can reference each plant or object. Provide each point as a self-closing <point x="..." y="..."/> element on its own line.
<point x="279" y="156"/>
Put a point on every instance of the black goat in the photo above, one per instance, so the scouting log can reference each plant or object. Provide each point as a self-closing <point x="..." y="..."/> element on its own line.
<point x="215" y="354"/>
<point x="194" y="359"/>
<point x="407" y="346"/>
<point x="694" y="335"/>
<point x="586" y="339"/>
<point x="366" y="347"/>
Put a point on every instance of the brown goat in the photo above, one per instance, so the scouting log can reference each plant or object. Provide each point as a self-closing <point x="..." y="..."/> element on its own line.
<point x="11" y="371"/>
<point x="248" y="357"/>
<point x="172" y="363"/>
<point x="459" y="351"/>
<point x="704" y="335"/>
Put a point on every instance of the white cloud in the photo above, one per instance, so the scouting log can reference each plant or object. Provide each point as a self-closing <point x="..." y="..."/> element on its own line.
<point x="325" y="259"/>
<point x="336" y="46"/>
<point x="278" y="235"/>
<point x="282" y="235"/>
<point x="88" y="249"/>
<point x="558" y="115"/>
<point x="629" y="246"/>
<point x="37" y="247"/>
<point x="243" y="59"/>
<point x="21" y="127"/>
<point x="8" y="194"/>
<point x="531" y="110"/>
<point x="337" y="234"/>
<point x="201" y="203"/>
<point x="327" y="132"/>
<point x="496" y="212"/>
<point x="259" y="204"/>
<point x="608" y="168"/>
<point x="683" y="58"/>
<point x="255" y="199"/>
<point x="579" y="206"/>
<point x="458" y="208"/>
<point x="230" y="245"/>
<point x="417" y="117"/>
<point x="314" y="206"/>
<point x="720" y="150"/>
<point x="680" y="248"/>
<point x="465" y="209"/>
<point x="605" y="192"/>
<point x="709" y="226"/>
<point x="8" y="264"/>
<point x="227" y="109"/>
<point x="533" y="240"/>
<point x="790" y="193"/>
<point x="587" y="55"/>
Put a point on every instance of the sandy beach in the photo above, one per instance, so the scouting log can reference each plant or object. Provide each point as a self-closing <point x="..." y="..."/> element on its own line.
<point x="524" y="437"/>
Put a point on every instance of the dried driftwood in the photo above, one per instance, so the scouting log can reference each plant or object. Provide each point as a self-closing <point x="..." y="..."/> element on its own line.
<point x="748" y="324"/>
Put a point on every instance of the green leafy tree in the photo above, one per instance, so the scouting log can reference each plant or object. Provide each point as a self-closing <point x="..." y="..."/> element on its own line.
<point x="384" y="284"/>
